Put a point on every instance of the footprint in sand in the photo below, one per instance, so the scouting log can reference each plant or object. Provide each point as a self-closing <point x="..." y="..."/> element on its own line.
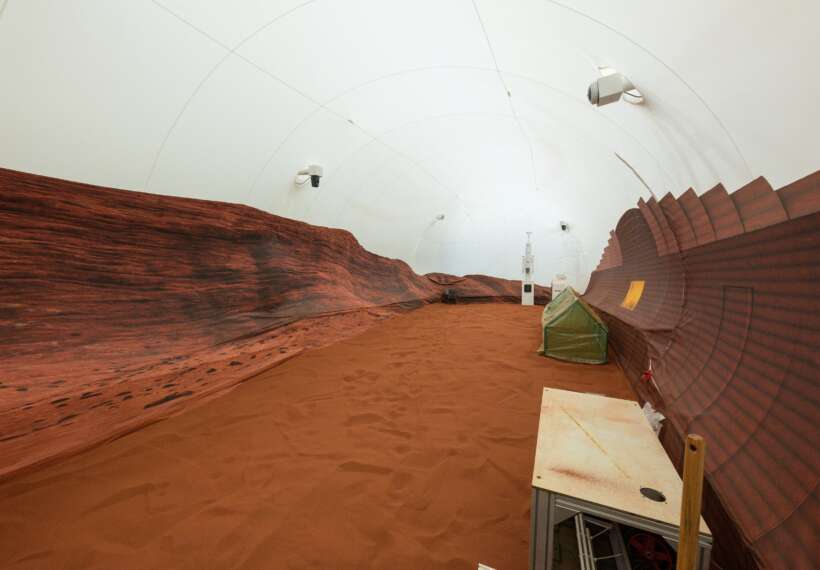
<point x="363" y="419"/>
<point x="358" y="467"/>
<point x="400" y="480"/>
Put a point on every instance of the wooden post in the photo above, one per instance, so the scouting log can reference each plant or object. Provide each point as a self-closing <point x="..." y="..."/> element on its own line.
<point x="694" y="456"/>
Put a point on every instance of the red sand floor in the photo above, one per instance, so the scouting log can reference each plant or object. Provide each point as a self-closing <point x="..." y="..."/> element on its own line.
<point x="408" y="446"/>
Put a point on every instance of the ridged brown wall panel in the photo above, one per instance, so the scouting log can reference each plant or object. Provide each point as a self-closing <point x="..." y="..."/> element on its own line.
<point x="758" y="205"/>
<point x="617" y="258"/>
<point x="732" y="328"/>
<point x="611" y="256"/>
<point x="701" y="224"/>
<point x="654" y="227"/>
<point x="608" y="255"/>
<point x="665" y="225"/>
<point x="607" y="292"/>
<point x="722" y="212"/>
<point x="681" y="226"/>
<point x="802" y="197"/>
<point x="662" y="299"/>
<point x="799" y="530"/>
<point x="731" y="546"/>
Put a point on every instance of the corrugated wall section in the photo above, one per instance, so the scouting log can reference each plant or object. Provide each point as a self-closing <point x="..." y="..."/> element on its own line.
<point x="730" y="319"/>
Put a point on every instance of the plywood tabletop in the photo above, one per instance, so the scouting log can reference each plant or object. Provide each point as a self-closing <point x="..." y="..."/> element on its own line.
<point x="602" y="450"/>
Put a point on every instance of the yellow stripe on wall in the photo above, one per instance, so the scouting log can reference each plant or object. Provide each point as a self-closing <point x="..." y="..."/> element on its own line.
<point x="633" y="295"/>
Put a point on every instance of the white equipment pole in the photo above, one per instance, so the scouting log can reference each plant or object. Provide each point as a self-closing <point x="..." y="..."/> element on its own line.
<point x="527" y="268"/>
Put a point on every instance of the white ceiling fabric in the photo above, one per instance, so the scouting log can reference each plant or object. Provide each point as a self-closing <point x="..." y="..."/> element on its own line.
<point x="405" y="105"/>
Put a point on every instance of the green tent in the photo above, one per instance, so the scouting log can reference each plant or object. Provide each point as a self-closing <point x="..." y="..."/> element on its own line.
<point x="573" y="330"/>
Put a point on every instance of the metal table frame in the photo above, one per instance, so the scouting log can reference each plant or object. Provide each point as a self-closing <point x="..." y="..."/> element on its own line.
<point x="550" y="509"/>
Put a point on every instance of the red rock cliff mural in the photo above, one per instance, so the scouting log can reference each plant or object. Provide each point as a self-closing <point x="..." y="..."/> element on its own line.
<point x="119" y="308"/>
<point x="730" y="320"/>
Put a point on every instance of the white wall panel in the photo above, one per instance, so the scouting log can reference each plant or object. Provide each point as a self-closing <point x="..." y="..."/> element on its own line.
<point x="226" y="133"/>
<point x="90" y="88"/>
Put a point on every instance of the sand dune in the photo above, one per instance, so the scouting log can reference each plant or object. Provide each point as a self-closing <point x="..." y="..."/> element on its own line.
<point x="408" y="446"/>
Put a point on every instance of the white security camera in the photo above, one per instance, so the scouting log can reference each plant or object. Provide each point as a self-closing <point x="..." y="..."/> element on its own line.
<point x="608" y="89"/>
<point x="313" y="171"/>
<point x="564" y="226"/>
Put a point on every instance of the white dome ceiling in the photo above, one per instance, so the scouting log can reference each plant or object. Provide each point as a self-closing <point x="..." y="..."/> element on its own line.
<point x="406" y="106"/>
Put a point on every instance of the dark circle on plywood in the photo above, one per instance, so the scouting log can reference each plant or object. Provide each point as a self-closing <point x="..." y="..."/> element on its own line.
<point x="653" y="494"/>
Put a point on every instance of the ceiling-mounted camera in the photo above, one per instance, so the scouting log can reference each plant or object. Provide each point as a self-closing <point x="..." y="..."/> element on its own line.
<point x="610" y="87"/>
<point x="314" y="172"/>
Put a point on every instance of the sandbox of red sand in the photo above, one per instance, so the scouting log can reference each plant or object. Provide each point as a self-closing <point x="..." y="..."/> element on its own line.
<point x="407" y="446"/>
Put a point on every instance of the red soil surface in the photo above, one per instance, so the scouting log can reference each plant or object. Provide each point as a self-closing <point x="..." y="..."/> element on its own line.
<point x="408" y="446"/>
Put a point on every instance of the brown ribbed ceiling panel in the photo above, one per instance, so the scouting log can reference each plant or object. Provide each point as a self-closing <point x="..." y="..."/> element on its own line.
<point x="735" y="356"/>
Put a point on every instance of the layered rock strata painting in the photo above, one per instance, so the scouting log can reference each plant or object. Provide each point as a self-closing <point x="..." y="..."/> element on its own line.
<point x="120" y="308"/>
